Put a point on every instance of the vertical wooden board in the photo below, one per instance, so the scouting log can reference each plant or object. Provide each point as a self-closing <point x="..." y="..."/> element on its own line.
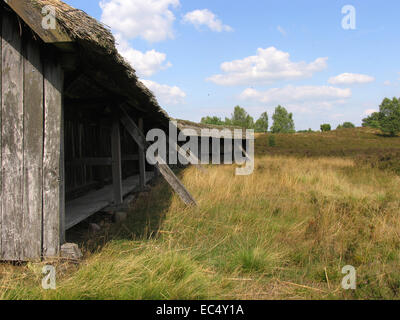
<point x="53" y="84"/>
<point x="142" y="160"/>
<point x="81" y="136"/>
<point x="1" y="163"/>
<point x="62" y="176"/>
<point x="33" y="152"/>
<point x="12" y="140"/>
<point x="116" y="162"/>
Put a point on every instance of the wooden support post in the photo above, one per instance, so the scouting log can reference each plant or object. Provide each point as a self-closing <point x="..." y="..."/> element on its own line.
<point x="116" y="162"/>
<point x="192" y="159"/>
<point x="142" y="161"/>
<point x="91" y="162"/>
<point x="175" y="183"/>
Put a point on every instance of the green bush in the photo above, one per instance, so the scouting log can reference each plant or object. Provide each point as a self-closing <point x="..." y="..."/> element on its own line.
<point x="271" y="141"/>
<point x="326" y="127"/>
<point x="283" y="121"/>
<point x="346" y="125"/>
<point x="387" y="119"/>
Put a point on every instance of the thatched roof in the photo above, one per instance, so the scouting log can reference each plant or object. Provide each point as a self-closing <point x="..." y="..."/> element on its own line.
<point x="96" y="46"/>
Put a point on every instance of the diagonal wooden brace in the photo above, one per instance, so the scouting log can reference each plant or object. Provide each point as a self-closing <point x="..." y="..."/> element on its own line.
<point x="164" y="169"/>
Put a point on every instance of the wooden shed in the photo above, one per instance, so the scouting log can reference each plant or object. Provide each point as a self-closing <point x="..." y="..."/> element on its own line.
<point x="73" y="117"/>
<point x="216" y="141"/>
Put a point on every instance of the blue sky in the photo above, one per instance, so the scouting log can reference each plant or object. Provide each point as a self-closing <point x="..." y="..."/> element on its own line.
<point x="204" y="57"/>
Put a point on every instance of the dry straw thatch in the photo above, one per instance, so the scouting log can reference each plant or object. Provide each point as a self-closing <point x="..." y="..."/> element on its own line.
<point x="79" y="25"/>
<point x="97" y="41"/>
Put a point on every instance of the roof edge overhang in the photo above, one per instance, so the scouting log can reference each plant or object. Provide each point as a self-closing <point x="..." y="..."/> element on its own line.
<point x="31" y="14"/>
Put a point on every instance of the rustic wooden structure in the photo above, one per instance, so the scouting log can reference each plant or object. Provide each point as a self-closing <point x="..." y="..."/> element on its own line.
<point x="73" y="116"/>
<point x="212" y="143"/>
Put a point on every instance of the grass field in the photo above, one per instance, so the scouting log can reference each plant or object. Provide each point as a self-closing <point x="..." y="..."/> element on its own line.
<point x="315" y="203"/>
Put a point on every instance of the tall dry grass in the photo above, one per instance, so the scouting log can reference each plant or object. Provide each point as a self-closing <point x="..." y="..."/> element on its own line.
<point x="284" y="232"/>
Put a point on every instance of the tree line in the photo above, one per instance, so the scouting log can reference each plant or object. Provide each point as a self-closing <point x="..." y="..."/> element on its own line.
<point x="282" y="121"/>
<point x="387" y="119"/>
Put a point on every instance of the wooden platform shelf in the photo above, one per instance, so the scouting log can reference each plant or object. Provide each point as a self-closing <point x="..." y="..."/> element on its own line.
<point x="82" y="208"/>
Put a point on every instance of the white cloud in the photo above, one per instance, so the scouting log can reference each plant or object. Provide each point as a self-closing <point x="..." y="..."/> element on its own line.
<point x="206" y="18"/>
<point x="351" y="78"/>
<point x="387" y="83"/>
<point x="166" y="95"/>
<point x="151" y="20"/>
<point x="290" y="94"/>
<point x="368" y="112"/>
<point x="268" y="66"/>
<point x="146" y="64"/>
<point x="282" y="31"/>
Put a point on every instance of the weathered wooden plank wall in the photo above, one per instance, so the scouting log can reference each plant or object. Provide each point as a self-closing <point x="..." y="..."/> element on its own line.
<point x="1" y="162"/>
<point x="12" y="140"/>
<point x="53" y="87"/>
<point x="33" y="151"/>
<point x="32" y="128"/>
<point x="22" y="139"/>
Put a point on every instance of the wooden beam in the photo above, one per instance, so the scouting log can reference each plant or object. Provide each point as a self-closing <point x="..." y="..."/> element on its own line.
<point x="91" y="103"/>
<point x="133" y="129"/>
<point x="116" y="162"/>
<point x="141" y="140"/>
<point x="175" y="183"/>
<point x="142" y="161"/>
<point x="90" y="162"/>
<point x="108" y="85"/>
<point x="192" y="159"/>
<point x="130" y="157"/>
<point x="164" y="169"/>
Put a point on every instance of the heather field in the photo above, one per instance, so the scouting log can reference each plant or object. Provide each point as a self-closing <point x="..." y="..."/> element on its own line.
<point x="315" y="203"/>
